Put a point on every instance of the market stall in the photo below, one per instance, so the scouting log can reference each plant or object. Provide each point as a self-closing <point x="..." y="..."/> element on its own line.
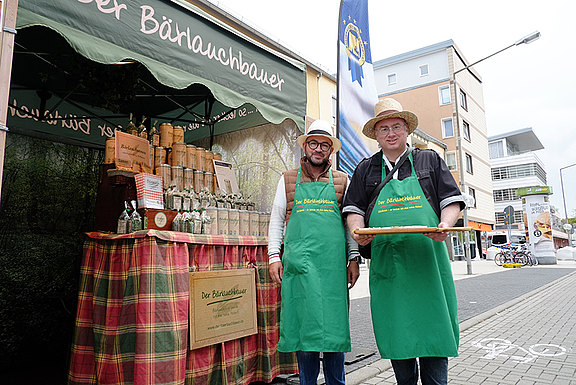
<point x="82" y="70"/>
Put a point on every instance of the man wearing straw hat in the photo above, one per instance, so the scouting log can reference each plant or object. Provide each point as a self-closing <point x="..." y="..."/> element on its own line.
<point x="315" y="271"/>
<point x="412" y="295"/>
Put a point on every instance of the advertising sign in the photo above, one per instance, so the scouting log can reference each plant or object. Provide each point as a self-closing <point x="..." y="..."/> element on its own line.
<point x="222" y="306"/>
<point x="539" y="227"/>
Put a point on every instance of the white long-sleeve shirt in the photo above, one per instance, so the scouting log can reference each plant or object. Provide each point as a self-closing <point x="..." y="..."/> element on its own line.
<point x="277" y="226"/>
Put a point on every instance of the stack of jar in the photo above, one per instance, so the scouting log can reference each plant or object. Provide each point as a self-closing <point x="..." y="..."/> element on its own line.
<point x="184" y="165"/>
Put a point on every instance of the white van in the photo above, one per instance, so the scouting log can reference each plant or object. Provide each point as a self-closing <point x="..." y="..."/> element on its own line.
<point x="500" y="237"/>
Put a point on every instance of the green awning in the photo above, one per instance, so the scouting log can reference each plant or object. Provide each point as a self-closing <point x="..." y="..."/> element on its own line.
<point x="183" y="48"/>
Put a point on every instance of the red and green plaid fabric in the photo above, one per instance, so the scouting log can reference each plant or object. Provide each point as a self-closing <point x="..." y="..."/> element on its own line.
<point x="132" y="317"/>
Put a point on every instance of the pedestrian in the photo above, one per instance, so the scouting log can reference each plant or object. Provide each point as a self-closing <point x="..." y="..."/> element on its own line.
<point x="314" y="270"/>
<point x="412" y="295"/>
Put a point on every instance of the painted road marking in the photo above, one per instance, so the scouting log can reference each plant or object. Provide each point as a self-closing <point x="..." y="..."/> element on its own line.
<point x="497" y="347"/>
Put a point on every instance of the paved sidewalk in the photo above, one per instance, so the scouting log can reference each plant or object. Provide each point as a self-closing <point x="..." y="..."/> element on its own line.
<point x="529" y="340"/>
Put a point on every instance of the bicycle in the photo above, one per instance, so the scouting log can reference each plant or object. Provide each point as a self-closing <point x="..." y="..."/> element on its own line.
<point x="511" y="254"/>
<point x="532" y="260"/>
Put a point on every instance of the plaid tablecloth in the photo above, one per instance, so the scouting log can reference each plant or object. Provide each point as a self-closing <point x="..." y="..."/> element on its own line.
<point x="132" y="316"/>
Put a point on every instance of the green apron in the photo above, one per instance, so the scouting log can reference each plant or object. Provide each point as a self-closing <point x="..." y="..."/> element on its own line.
<point x="412" y="294"/>
<point x="314" y="307"/>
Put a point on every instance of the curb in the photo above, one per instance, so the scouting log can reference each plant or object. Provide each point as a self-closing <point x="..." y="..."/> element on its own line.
<point x="371" y="370"/>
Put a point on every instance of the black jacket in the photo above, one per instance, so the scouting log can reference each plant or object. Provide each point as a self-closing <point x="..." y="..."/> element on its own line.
<point x="436" y="181"/>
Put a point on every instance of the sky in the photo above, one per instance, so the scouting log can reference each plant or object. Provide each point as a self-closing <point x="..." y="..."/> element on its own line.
<point x="530" y="85"/>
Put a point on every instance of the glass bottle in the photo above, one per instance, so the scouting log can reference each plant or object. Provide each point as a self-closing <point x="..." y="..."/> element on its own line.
<point x="154" y="135"/>
<point x="177" y="222"/>
<point x="131" y="128"/>
<point x="135" y="219"/>
<point x="124" y="221"/>
<point x="197" y="222"/>
<point x="187" y="222"/>
<point x="143" y="131"/>
<point x="206" y="222"/>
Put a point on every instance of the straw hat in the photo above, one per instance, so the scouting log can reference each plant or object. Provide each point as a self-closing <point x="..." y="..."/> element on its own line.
<point x="320" y="128"/>
<point x="389" y="108"/>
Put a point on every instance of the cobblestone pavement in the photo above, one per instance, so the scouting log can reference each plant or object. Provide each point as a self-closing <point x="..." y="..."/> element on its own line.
<point x="528" y="340"/>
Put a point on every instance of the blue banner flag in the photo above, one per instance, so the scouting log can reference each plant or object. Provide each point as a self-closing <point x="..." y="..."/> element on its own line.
<point x="356" y="87"/>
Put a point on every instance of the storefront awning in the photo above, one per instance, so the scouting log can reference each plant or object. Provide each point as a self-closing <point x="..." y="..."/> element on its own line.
<point x="241" y="82"/>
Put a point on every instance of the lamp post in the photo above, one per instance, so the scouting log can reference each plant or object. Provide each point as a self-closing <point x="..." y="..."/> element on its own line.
<point x="564" y="201"/>
<point x="525" y="40"/>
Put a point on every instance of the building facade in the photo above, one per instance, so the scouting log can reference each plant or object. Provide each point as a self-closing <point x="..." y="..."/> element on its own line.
<point x="424" y="82"/>
<point x="514" y="165"/>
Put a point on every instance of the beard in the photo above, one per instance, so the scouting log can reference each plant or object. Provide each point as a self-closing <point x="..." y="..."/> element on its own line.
<point x="316" y="163"/>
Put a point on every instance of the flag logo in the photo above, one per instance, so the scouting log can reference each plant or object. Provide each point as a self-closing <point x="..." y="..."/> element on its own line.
<point x="355" y="50"/>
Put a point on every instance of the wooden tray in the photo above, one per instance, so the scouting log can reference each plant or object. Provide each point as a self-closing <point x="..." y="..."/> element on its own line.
<point x="408" y="230"/>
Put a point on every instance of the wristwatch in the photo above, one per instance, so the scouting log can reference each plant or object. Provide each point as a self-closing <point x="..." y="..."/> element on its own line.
<point x="358" y="259"/>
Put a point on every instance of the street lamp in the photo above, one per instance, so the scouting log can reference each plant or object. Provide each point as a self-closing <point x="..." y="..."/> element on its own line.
<point x="525" y="40"/>
<point x="564" y="201"/>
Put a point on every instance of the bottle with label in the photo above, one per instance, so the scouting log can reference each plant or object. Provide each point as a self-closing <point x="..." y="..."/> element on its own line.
<point x="124" y="221"/>
<point x="197" y="222"/>
<point x="142" y="130"/>
<point x="177" y="222"/>
<point x="135" y="219"/>
<point x="186" y="201"/>
<point x="154" y="135"/>
<point x="187" y="222"/>
<point x="206" y="222"/>
<point x="169" y="197"/>
<point x="131" y="128"/>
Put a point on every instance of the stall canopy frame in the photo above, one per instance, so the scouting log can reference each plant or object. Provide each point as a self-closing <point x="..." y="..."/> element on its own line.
<point x="187" y="67"/>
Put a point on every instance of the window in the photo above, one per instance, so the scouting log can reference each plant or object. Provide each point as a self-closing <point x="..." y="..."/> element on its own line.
<point x="424" y="70"/>
<point x="505" y="195"/>
<point x="469" y="164"/>
<point x="496" y="150"/>
<point x="447" y="128"/>
<point x="391" y="79"/>
<point x="518" y="218"/>
<point x="451" y="160"/>
<point x="463" y="101"/>
<point x="472" y="193"/>
<point x="444" y="93"/>
<point x="466" y="130"/>
<point x="519" y="171"/>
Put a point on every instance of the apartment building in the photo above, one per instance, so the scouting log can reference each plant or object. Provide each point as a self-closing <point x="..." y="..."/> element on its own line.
<point x="423" y="81"/>
<point x="514" y="165"/>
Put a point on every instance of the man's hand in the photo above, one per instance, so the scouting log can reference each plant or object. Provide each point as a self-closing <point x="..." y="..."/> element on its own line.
<point x="353" y="273"/>
<point x="356" y="221"/>
<point x="448" y="218"/>
<point x="439" y="237"/>
<point x="276" y="271"/>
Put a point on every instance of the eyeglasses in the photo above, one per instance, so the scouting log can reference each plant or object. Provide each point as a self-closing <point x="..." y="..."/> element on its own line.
<point x="323" y="146"/>
<point x="386" y="130"/>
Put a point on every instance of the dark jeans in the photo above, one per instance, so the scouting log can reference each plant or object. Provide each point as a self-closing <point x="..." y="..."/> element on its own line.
<point x="433" y="371"/>
<point x="309" y="367"/>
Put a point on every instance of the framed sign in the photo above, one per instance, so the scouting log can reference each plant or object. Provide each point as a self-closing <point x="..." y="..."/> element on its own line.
<point x="222" y="306"/>
<point x="226" y="177"/>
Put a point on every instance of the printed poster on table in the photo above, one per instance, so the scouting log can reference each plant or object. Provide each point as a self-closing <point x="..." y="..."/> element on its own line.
<point x="222" y="306"/>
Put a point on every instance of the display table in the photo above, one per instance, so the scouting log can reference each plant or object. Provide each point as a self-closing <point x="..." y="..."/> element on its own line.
<point x="133" y="303"/>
